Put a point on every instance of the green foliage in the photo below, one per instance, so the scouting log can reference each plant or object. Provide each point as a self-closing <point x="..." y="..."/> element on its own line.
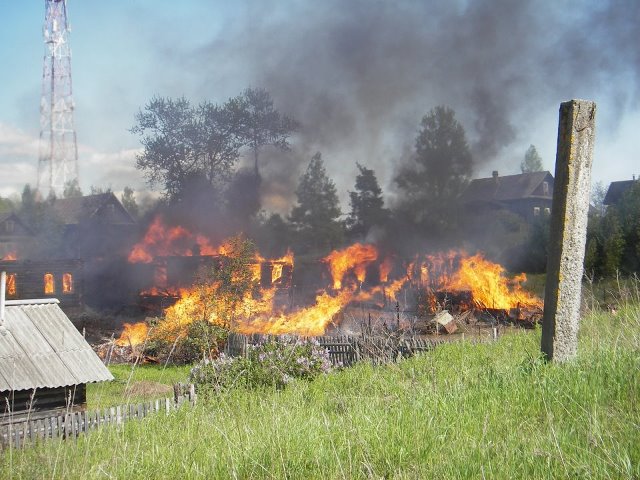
<point x="532" y="161"/>
<point x="463" y="410"/>
<point x="263" y="125"/>
<point x="269" y="364"/>
<point x="367" y="204"/>
<point x="129" y="202"/>
<point x="438" y="173"/>
<point x="201" y="340"/>
<point x="613" y="239"/>
<point x="315" y="217"/>
<point x="118" y="391"/>
<point x="72" y="189"/>
<point x="183" y="143"/>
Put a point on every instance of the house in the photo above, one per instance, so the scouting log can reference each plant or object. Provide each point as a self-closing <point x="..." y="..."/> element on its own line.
<point x="45" y="363"/>
<point x="95" y="226"/>
<point x="15" y="237"/>
<point x="527" y="194"/>
<point x="55" y="278"/>
<point x="99" y="231"/>
<point x="616" y="191"/>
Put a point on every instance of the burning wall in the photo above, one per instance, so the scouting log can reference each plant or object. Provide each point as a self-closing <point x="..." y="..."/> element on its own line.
<point x="358" y="273"/>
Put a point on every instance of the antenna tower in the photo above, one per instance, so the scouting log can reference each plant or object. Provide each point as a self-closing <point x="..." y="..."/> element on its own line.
<point x="58" y="156"/>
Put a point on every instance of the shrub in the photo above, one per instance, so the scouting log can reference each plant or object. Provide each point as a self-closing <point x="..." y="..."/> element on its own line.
<point x="273" y="363"/>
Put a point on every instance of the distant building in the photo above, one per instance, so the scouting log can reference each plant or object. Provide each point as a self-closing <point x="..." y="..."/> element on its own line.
<point x="15" y="237"/>
<point x="616" y="191"/>
<point x="527" y="194"/>
<point x="95" y="226"/>
<point x="45" y="363"/>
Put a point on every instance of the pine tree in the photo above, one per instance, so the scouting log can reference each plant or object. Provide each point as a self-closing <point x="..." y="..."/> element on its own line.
<point x="367" y="204"/>
<point x="532" y="161"/>
<point x="315" y="217"/>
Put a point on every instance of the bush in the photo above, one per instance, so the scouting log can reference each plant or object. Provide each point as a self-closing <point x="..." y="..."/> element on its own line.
<point x="200" y="340"/>
<point x="271" y="364"/>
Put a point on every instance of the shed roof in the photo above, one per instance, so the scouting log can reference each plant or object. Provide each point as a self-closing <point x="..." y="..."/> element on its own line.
<point x="41" y="348"/>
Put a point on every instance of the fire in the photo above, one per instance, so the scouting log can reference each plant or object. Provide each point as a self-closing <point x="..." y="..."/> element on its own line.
<point x="354" y="259"/>
<point x="260" y="310"/>
<point x="278" y="266"/>
<point x="11" y="256"/>
<point x="307" y="321"/>
<point x="133" y="334"/>
<point x="385" y="269"/>
<point x="11" y="284"/>
<point x="49" y="284"/>
<point x="160" y="240"/>
<point x="489" y="285"/>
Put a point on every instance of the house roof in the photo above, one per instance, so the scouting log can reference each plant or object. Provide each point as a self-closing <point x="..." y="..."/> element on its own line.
<point x="616" y="190"/>
<point x="75" y="210"/>
<point x="13" y="216"/>
<point x="507" y="187"/>
<point x="41" y="348"/>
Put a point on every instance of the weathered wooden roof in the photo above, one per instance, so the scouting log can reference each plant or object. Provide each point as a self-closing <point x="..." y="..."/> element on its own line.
<point x="41" y="348"/>
<point x="75" y="210"/>
<point x="507" y="187"/>
<point x="616" y="190"/>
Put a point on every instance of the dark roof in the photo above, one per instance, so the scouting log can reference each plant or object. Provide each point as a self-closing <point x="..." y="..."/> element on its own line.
<point x="14" y="216"/>
<point x="40" y="348"/>
<point x="75" y="210"/>
<point x="507" y="187"/>
<point x="616" y="190"/>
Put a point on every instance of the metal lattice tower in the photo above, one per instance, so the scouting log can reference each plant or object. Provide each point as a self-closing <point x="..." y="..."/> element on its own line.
<point x="58" y="158"/>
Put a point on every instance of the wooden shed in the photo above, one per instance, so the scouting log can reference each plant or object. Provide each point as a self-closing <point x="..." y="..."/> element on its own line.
<point x="45" y="363"/>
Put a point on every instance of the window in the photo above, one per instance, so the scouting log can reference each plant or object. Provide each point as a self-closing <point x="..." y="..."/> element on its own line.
<point x="545" y="188"/>
<point x="536" y="211"/>
<point x="547" y="211"/>
<point x="11" y="285"/>
<point x="67" y="283"/>
<point x="9" y="226"/>
<point x="49" y="284"/>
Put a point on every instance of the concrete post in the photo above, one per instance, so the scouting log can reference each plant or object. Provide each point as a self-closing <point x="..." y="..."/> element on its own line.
<point x="576" y="132"/>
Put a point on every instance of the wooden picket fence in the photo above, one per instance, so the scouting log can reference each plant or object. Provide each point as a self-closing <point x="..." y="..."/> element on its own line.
<point x="71" y="424"/>
<point x="345" y="350"/>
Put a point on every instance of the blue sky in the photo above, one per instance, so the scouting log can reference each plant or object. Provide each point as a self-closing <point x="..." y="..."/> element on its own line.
<point x="358" y="75"/>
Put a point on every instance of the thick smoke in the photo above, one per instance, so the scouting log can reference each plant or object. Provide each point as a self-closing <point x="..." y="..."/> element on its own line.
<point x="360" y="74"/>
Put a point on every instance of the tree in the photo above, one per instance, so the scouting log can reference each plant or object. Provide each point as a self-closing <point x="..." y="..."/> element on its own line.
<point x="628" y="209"/>
<point x="129" y="202"/>
<point x="264" y="125"/>
<point x="315" y="217"/>
<point x="184" y="144"/>
<point x="72" y="189"/>
<point x="532" y="161"/>
<point x="367" y="204"/>
<point x="438" y="171"/>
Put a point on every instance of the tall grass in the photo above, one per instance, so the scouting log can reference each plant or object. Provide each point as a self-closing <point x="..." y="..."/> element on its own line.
<point x="461" y="411"/>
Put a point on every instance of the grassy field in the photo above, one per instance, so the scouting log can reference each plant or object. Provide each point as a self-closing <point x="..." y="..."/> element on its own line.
<point x="461" y="411"/>
<point x="135" y="384"/>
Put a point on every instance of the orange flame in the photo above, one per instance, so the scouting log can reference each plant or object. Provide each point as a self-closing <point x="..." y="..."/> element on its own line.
<point x="354" y="258"/>
<point x="11" y="285"/>
<point x="133" y="334"/>
<point x="49" y="284"/>
<point x="489" y="285"/>
<point x="160" y="240"/>
<point x="11" y="256"/>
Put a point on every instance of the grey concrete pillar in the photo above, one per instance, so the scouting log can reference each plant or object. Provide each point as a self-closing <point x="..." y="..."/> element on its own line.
<point x="576" y="133"/>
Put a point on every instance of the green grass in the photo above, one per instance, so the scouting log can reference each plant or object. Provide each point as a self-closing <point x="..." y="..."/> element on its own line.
<point x="461" y="411"/>
<point x="109" y="394"/>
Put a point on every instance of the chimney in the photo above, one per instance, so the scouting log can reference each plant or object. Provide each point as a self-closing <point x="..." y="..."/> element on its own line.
<point x="495" y="175"/>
